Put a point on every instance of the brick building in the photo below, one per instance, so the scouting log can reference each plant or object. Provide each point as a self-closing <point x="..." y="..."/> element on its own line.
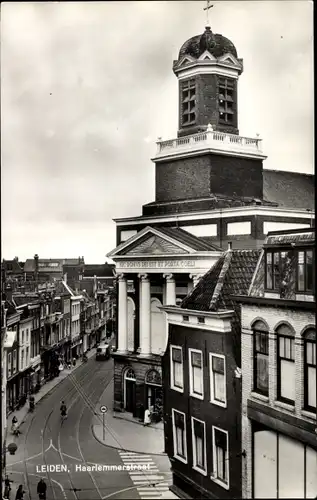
<point x="279" y="371"/>
<point x="201" y="381"/>
<point x="210" y="188"/>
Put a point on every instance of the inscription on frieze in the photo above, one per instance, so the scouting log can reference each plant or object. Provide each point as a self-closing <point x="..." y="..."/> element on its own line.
<point x="162" y="264"/>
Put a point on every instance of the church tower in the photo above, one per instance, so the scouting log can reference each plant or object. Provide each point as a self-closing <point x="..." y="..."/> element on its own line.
<point x="208" y="69"/>
<point x="208" y="159"/>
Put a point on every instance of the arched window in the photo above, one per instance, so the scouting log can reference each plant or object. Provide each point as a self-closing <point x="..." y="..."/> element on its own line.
<point x="261" y="358"/>
<point x="285" y="364"/>
<point x="310" y="369"/>
<point x="129" y="374"/>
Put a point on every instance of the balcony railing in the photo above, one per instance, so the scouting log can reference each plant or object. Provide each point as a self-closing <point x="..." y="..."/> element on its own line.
<point x="210" y="139"/>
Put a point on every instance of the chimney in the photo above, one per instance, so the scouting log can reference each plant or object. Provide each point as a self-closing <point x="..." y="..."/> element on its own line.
<point x="229" y="245"/>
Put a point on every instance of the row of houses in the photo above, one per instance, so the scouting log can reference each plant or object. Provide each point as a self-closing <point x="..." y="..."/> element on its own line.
<point x="45" y="330"/>
<point x="239" y="376"/>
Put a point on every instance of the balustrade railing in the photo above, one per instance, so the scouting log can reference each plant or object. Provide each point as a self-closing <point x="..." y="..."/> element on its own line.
<point x="212" y="139"/>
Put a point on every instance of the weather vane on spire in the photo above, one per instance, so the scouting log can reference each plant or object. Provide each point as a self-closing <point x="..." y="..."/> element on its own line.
<point x="207" y="12"/>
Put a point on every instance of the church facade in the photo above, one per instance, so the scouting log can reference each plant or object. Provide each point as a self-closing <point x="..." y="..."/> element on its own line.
<point x="211" y="191"/>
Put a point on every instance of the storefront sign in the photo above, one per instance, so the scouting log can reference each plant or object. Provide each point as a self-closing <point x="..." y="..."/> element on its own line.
<point x="160" y="264"/>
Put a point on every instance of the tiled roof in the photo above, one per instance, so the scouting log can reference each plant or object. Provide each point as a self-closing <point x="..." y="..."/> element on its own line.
<point x="188" y="239"/>
<point x="289" y="189"/>
<point x="230" y="275"/>
<point x="20" y="300"/>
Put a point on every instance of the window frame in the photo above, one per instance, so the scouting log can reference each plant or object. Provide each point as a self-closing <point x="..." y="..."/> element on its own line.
<point x="255" y="352"/>
<point x="175" y="455"/>
<point x="172" y="379"/>
<point x="214" y="474"/>
<point x="276" y="287"/>
<point x="305" y="291"/>
<point x="196" y="467"/>
<point x="278" y="367"/>
<point x="214" y="401"/>
<point x="307" y="407"/>
<point x="9" y="365"/>
<point x="224" y="85"/>
<point x="186" y="87"/>
<point x="191" y="375"/>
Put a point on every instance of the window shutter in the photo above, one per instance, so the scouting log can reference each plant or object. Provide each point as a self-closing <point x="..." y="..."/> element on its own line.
<point x="177" y="355"/>
<point x="218" y="365"/>
<point x="196" y="359"/>
<point x="199" y="429"/>
<point x="179" y="420"/>
<point x="221" y="439"/>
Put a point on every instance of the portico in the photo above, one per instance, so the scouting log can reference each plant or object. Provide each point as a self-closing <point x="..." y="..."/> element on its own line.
<point x="155" y="267"/>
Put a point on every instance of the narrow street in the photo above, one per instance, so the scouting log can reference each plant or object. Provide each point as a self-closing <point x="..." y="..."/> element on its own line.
<point x="46" y="441"/>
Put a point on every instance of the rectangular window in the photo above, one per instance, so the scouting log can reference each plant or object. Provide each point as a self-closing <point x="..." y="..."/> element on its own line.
<point x="226" y="100"/>
<point x="310" y="375"/>
<point x="188" y="102"/>
<point x="217" y="364"/>
<point x="22" y="337"/>
<point x="14" y="363"/>
<point x="196" y="380"/>
<point x="305" y="275"/>
<point x="179" y="435"/>
<point x="201" y="320"/>
<point x="286" y="369"/>
<point x="9" y="364"/>
<point x="274" y="269"/>
<point x="220" y="457"/>
<point x="27" y="335"/>
<point x="27" y="356"/>
<point x="185" y="318"/>
<point x="177" y="378"/>
<point x="22" y="359"/>
<point x="199" y="446"/>
<point x="261" y="362"/>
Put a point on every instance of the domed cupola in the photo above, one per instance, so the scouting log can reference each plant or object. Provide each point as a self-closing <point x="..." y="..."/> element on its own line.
<point x="208" y="69"/>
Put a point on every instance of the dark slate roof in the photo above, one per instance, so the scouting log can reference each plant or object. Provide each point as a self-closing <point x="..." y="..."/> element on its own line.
<point x="29" y="266"/>
<point x="216" y="44"/>
<point x="231" y="275"/>
<point x="106" y="270"/>
<point x="14" y="266"/>
<point x="21" y="300"/>
<point x="289" y="189"/>
<point x="188" y="239"/>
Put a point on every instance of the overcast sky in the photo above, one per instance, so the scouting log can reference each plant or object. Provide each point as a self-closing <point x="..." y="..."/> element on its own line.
<point x="86" y="89"/>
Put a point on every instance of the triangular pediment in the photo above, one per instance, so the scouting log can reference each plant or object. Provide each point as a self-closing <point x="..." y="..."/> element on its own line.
<point x="206" y="56"/>
<point x="186" y="60"/>
<point x="229" y="58"/>
<point x="150" y="241"/>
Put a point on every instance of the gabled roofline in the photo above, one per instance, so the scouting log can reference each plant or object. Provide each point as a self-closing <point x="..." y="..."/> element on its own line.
<point x="143" y="232"/>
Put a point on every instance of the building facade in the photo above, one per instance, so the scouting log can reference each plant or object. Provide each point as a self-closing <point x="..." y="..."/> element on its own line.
<point x="279" y="371"/>
<point x="202" y="382"/>
<point x="210" y="188"/>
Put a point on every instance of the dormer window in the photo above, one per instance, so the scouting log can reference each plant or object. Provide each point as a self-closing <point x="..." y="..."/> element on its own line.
<point x="188" y="102"/>
<point x="305" y="275"/>
<point x="226" y="111"/>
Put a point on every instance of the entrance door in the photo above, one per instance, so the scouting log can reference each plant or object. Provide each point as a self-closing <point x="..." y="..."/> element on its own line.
<point x="130" y="396"/>
<point x="129" y="391"/>
<point x="154" y="396"/>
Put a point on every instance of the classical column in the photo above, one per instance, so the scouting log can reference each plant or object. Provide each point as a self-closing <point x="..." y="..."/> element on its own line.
<point x="195" y="278"/>
<point x="145" y="315"/>
<point x="122" y="314"/>
<point x="170" y="289"/>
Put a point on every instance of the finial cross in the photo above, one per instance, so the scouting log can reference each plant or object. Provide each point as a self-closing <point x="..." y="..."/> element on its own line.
<point x="208" y="6"/>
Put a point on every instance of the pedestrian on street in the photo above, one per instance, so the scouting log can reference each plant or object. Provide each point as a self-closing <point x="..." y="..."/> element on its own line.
<point x="147" y="417"/>
<point x="41" y="489"/>
<point x="74" y="361"/>
<point x="7" y="487"/>
<point x="20" y="493"/>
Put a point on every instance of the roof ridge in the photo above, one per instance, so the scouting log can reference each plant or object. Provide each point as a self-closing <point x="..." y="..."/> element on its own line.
<point x="221" y="278"/>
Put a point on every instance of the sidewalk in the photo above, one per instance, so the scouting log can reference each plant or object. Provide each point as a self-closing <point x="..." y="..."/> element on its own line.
<point x="22" y="413"/>
<point x="124" y="434"/>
